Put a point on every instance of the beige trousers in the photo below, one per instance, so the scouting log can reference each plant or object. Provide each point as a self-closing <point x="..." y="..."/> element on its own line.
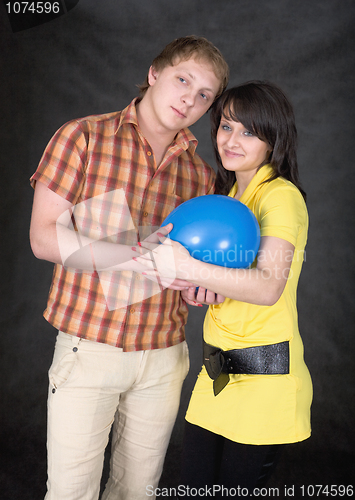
<point x="93" y="386"/>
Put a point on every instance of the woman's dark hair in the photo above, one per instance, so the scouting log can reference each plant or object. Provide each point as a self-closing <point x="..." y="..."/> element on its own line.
<point x="263" y="109"/>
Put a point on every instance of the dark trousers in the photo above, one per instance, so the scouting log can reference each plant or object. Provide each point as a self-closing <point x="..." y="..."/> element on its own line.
<point x="210" y="459"/>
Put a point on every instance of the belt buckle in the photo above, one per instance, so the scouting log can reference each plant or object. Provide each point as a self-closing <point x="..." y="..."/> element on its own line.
<point x="214" y="362"/>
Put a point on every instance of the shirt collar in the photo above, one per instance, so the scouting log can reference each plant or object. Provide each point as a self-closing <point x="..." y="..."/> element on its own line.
<point x="184" y="138"/>
<point x="261" y="175"/>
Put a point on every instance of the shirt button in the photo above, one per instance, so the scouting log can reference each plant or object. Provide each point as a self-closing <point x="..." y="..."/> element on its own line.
<point x="145" y="214"/>
<point x="149" y="153"/>
<point x="132" y="311"/>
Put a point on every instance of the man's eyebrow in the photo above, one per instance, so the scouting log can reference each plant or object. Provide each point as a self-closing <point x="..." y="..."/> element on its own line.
<point x="193" y="78"/>
<point x="207" y="89"/>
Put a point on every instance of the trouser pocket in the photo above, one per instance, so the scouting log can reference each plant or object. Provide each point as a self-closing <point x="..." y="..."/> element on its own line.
<point x="64" y="362"/>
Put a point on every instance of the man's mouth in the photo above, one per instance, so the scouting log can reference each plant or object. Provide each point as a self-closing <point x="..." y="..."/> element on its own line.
<point x="178" y="113"/>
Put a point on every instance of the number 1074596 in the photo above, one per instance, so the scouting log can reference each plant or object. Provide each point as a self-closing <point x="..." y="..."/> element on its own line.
<point x="34" y="7"/>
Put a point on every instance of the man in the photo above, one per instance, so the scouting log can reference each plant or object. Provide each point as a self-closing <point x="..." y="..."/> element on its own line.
<point x="103" y="184"/>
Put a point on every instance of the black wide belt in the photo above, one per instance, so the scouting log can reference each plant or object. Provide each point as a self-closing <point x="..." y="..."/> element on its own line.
<point x="271" y="359"/>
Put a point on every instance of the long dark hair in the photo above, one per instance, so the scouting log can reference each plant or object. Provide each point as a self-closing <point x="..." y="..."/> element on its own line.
<point x="263" y="109"/>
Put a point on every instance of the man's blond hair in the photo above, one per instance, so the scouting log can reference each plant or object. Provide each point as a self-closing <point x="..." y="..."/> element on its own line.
<point x="191" y="47"/>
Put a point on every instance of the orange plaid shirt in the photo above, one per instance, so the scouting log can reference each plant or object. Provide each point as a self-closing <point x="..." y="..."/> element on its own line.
<point x="102" y="164"/>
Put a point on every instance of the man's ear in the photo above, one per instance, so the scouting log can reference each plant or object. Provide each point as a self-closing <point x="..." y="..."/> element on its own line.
<point x="152" y="76"/>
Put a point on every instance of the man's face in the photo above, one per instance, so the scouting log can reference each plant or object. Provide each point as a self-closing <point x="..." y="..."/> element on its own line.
<point x="179" y="95"/>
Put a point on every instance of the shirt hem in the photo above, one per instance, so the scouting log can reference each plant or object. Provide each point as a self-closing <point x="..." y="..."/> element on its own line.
<point x="247" y="440"/>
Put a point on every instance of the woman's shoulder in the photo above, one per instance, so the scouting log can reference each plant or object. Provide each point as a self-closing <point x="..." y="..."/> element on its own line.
<point x="281" y="189"/>
<point x="281" y="202"/>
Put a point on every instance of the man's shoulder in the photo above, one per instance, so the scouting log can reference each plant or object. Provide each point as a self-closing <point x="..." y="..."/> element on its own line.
<point x="86" y="123"/>
<point x="104" y="124"/>
<point x="103" y="118"/>
<point x="107" y="121"/>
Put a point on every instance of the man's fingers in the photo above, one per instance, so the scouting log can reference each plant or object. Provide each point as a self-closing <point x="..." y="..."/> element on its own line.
<point x="201" y="294"/>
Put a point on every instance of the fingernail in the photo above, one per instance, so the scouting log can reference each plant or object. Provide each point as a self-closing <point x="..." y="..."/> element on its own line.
<point x="134" y="248"/>
<point x="144" y="273"/>
<point x="160" y="234"/>
<point x="199" y="305"/>
<point x="139" y="244"/>
<point x="134" y="258"/>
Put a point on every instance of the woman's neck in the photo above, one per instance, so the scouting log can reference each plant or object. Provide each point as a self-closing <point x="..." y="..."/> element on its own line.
<point x="243" y="182"/>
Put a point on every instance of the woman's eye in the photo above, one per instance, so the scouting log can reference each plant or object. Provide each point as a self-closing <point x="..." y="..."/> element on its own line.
<point x="248" y="133"/>
<point x="203" y="96"/>
<point x="226" y="127"/>
<point x="182" y="79"/>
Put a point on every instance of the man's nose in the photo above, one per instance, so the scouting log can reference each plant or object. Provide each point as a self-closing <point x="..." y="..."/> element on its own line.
<point x="188" y="98"/>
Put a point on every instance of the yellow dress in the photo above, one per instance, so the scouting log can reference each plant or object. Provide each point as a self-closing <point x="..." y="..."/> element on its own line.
<point x="261" y="409"/>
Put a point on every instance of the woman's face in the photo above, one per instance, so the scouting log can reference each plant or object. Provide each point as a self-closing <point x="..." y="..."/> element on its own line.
<point x="240" y="150"/>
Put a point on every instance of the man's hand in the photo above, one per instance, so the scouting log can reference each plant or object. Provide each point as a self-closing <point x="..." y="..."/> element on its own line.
<point x="172" y="284"/>
<point x="201" y="296"/>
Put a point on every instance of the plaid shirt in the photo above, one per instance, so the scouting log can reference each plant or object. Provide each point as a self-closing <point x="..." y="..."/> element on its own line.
<point x="104" y="166"/>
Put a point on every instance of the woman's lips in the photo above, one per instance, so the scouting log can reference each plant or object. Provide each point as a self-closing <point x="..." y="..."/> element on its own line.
<point x="232" y="154"/>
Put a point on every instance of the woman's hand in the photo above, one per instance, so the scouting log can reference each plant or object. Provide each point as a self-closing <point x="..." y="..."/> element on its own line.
<point x="164" y="259"/>
<point x="169" y="259"/>
<point x="170" y="264"/>
<point x="260" y="285"/>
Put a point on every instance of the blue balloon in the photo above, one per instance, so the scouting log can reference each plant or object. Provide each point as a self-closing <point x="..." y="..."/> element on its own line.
<point x="216" y="229"/>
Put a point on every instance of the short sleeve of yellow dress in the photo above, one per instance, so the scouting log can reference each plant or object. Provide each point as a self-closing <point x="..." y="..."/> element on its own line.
<point x="261" y="409"/>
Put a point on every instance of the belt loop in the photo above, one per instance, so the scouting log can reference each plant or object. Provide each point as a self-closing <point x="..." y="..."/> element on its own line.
<point x="75" y="342"/>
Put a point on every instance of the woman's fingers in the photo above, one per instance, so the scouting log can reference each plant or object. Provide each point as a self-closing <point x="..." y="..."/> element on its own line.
<point x="144" y="247"/>
<point x="158" y="235"/>
<point x="146" y="260"/>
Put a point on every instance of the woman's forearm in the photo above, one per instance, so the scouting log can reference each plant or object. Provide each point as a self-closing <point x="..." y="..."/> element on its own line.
<point x="255" y="286"/>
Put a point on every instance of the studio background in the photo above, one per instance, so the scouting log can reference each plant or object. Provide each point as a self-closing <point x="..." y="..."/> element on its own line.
<point x="89" y="61"/>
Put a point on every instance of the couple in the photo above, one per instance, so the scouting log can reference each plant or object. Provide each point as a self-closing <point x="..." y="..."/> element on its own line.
<point x="123" y="367"/>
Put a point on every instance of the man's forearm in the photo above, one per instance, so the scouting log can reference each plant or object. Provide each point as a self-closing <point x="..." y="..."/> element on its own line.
<point x="62" y="245"/>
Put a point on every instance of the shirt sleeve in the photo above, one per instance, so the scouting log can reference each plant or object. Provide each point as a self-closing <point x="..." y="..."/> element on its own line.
<point x="62" y="166"/>
<point x="211" y="186"/>
<point x="283" y="213"/>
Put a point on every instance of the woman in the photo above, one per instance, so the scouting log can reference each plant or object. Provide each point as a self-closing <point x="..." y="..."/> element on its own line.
<point x="237" y="420"/>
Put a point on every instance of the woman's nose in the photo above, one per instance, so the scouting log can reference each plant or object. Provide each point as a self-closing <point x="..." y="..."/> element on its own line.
<point x="233" y="140"/>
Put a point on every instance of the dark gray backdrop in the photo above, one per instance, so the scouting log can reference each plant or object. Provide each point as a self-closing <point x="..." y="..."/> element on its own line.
<point x="89" y="61"/>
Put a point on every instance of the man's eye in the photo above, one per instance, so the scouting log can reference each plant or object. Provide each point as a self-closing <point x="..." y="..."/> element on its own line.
<point x="204" y="96"/>
<point x="182" y="79"/>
